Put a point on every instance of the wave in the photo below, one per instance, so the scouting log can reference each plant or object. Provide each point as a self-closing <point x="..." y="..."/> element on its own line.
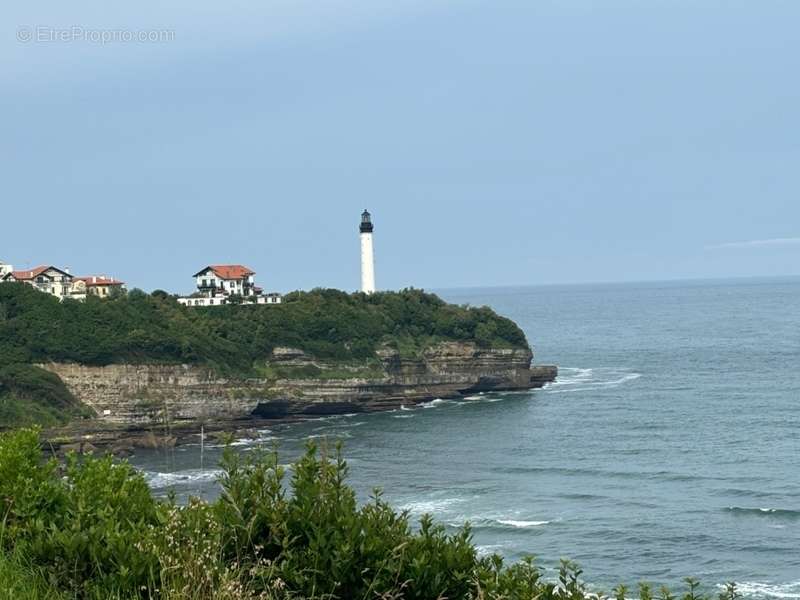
<point x="404" y="416"/>
<point x="498" y="524"/>
<point x="784" y="513"/>
<point x="571" y="376"/>
<point x="747" y="493"/>
<point x="334" y="433"/>
<point x="422" y="507"/>
<point x="156" y="479"/>
<point x="573" y="379"/>
<point x="755" y="589"/>
<point x="522" y="524"/>
<point x="435" y="403"/>
<point x="404" y="407"/>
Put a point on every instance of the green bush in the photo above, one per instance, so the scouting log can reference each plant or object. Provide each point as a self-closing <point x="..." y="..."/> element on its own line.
<point x="82" y="524"/>
<point x="93" y="530"/>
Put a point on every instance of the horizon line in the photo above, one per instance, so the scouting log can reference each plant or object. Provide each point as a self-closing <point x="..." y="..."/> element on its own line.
<point x="618" y="282"/>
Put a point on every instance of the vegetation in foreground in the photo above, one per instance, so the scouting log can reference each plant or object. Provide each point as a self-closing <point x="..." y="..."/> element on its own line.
<point x="92" y="529"/>
<point x="343" y="329"/>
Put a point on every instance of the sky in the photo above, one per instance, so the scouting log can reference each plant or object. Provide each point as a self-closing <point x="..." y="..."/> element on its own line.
<point x="495" y="142"/>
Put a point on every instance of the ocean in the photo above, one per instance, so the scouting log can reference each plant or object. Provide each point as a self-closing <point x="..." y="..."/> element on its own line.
<point x="669" y="446"/>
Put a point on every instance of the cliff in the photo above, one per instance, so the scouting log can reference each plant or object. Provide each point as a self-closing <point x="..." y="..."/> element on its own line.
<point x="295" y="384"/>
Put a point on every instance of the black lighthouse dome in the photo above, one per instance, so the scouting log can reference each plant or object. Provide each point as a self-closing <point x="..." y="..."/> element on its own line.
<point x="366" y="222"/>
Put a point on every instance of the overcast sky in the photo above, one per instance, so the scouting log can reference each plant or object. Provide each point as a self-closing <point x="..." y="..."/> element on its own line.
<point x="495" y="142"/>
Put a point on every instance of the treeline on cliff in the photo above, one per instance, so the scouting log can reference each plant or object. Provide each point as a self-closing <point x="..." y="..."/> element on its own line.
<point x="92" y="529"/>
<point x="155" y="328"/>
<point x="36" y="327"/>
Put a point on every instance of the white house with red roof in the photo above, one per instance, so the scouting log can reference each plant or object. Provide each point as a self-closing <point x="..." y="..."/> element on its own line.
<point x="217" y="284"/>
<point x="45" y="278"/>
<point x="61" y="284"/>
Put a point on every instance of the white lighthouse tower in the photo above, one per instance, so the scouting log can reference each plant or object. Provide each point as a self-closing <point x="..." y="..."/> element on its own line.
<point x="367" y="257"/>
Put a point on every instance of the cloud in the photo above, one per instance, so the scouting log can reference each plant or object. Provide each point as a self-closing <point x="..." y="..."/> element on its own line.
<point x="793" y="241"/>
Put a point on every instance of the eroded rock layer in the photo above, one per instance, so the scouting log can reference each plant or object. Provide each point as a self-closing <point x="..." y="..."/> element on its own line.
<point x="150" y="394"/>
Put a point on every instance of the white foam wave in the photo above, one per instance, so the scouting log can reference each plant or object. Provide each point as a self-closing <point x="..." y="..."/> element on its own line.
<point x="332" y="434"/>
<point x="522" y="524"/>
<point x="755" y="589"/>
<point x="404" y="407"/>
<point x="585" y="380"/>
<point x="571" y="376"/>
<point x="156" y="479"/>
<point x="435" y="403"/>
<point x="404" y="416"/>
<point x="431" y="506"/>
<point x="242" y="442"/>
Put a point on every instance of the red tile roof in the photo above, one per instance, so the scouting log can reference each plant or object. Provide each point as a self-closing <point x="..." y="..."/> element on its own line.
<point x="99" y="280"/>
<point x="33" y="273"/>
<point x="228" y="271"/>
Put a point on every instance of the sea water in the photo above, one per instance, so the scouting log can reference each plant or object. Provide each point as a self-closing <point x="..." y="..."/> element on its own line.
<point x="669" y="445"/>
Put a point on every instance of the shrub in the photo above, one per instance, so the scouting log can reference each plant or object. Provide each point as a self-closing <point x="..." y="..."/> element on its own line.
<point x="93" y="530"/>
<point x="84" y="528"/>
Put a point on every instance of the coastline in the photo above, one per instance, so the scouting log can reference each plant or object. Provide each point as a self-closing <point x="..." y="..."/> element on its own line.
<point x="123" y="439"/>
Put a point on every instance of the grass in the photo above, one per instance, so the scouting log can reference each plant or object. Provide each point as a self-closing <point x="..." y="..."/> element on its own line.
<point x="21" y="582"/>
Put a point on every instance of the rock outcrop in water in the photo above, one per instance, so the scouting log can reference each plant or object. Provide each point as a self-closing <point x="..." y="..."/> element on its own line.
<point x="145" y="395"/>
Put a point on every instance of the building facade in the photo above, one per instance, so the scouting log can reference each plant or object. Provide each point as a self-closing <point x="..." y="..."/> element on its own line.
<point x="96" y="285"/>
<point x="227" y="284"/>
<point x="48" y="279"/>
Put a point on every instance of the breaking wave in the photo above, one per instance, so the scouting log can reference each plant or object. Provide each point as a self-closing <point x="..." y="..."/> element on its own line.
<point x="422" y="507"/>
<point x="522" y="524"/>
<point x="574" y="379"/>
<point x="159" y="480"/>
<point x="435" y="403"/>
<point x="755" y="589"/>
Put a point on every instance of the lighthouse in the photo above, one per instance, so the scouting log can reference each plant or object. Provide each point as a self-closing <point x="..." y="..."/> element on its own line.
<point x="367" y="258"/>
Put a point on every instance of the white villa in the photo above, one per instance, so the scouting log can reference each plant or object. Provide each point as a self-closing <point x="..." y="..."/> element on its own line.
<point x="218" y="284"/>
<point x="46" y="278"/>
<point x="60" y="283"/>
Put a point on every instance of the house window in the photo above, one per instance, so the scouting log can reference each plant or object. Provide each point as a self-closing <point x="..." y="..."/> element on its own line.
<point x="205" y="282"/>
<point x="211" y="301"/>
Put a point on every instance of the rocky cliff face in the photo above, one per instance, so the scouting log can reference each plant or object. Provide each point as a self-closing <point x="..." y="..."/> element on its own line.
<point x="150" y="394"/>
